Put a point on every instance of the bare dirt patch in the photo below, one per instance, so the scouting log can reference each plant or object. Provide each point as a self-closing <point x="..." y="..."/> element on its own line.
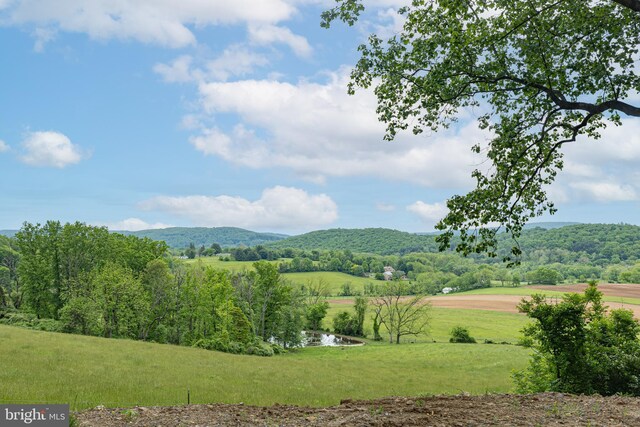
<point x="547" y="409"/>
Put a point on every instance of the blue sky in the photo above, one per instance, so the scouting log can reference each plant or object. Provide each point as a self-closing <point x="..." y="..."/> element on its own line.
<point x="145" y="113"/>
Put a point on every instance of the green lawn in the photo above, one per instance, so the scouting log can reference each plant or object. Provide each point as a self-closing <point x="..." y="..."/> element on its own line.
<point x="234" y="266"/>
<point x="334" y="280"/>
<point x="47" y="367"/>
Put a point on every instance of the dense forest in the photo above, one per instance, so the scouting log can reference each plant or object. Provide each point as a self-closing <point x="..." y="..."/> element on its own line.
<point x="81" y="279"/>
<point x="181" y="237"/>
<point x="601" y="244"/>
<point x="380" y="241"/>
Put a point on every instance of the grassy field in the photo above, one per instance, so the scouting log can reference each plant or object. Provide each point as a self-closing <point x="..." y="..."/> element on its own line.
<point x="46" y="367"/>
<point x="333" y="280"/>
<point x="482" y="324"/>
<point x="234" y="266"/>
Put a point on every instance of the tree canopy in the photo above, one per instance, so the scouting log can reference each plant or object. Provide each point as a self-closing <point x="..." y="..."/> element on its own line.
<point x="540" y="72"/>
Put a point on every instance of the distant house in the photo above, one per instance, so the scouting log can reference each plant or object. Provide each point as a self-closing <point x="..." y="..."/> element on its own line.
<point x="387" y="275"/>
<point x="447" y="290"/>
<point x="389" y="269"/>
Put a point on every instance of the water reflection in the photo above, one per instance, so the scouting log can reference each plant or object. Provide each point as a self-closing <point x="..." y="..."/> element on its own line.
<point x="325" y="339"/>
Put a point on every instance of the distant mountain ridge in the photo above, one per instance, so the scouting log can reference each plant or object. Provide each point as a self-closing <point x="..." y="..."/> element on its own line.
<point x="181" y="237"/>
<point x="589" y="241"/>
<point x="382" y="241"/>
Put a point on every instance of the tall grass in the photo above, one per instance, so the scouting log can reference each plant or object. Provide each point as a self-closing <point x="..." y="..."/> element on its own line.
<point x="88" y="371"/>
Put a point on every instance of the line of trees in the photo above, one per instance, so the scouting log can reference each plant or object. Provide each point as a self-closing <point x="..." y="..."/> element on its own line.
<point x="85" y="280"/>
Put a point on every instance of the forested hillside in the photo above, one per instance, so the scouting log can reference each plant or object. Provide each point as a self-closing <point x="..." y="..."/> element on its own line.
<point x="381" y="241"/>
<point x="598" y="243"/>
<point x="181" y="237"/>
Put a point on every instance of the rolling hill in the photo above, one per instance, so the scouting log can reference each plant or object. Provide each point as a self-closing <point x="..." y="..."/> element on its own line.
<point x="382" y="241"/>
<point x="181" y="237"/>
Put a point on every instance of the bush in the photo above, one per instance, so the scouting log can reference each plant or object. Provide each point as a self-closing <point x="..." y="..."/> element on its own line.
<point x="260" y="349"/>
<point x="460" y="334"/>
<point x="30" y="321"/>
<point x="345" y="324"/>
<point x="278" y="349"/>
<point x="579" y="348"/>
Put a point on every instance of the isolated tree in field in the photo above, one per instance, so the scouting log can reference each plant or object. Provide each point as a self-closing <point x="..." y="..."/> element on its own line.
<point x="540" y="73"/>
<point x="399" y="313"/>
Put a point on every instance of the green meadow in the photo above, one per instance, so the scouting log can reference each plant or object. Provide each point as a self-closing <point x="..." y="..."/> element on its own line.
<point x="333" y="280"/>
<point x="88" y="371"/>
<point x="482" y="324"/>
<point x="527" y="291"/>
<point x="217" y="263"/>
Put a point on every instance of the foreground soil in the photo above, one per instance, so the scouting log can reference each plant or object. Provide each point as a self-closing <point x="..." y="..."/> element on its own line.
<point x="547" y="409"/>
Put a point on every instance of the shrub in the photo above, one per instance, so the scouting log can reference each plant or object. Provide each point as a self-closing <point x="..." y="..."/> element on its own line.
<point x="579" y="348"/>
<point x="260" y="349"/>
<point x="460" y="334"/>
<point x="345" y="324"/>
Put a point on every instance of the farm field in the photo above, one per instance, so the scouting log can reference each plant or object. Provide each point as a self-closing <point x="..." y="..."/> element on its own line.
<point x="217" y="263"/>
<point x="89" y="371"/>
<point x="506" y="299"/>
<point x="471" y="305"/>
<point x="333" y="280"/>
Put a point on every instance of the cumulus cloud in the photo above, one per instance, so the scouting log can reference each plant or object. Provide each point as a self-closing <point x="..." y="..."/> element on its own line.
<point x="164" y="22"/>
<point x="603" y="170"/>
<point x="3" y="146"/>
<point x="605" y="191"/>
<point x="133" y="224"/>
<point x="317" y="130"/>
<point x="430" y="213"/>
<point x="51" y="149"/>
<point x="384" y="207"/>
<point x="269" y="34"/>
<point x="235" y="60"/>
<point x="178" y="71"/>
<point x="277" y="208"/>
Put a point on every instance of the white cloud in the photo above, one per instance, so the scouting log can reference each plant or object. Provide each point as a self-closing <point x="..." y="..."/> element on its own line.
<point x="278" y="208"/>
<point x="235" y="60"/>
<point x="384" y="207"/>
<point x="179" y="71"/>
<point x="269" y="34"/>
<point x="603" y="170"/>
<point x="133" y="224"/>
<point x="317" y="130"/>
<point x="162" y="22"/>
<point x="429" y="213"/>
<point x="3" y="146"/>
<point x="50" y="149"/>
<point x="604" y="191"/>
<point x="42" y="36"/>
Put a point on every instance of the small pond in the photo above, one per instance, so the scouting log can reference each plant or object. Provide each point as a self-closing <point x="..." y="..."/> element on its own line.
<point x="325" y="339"/>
